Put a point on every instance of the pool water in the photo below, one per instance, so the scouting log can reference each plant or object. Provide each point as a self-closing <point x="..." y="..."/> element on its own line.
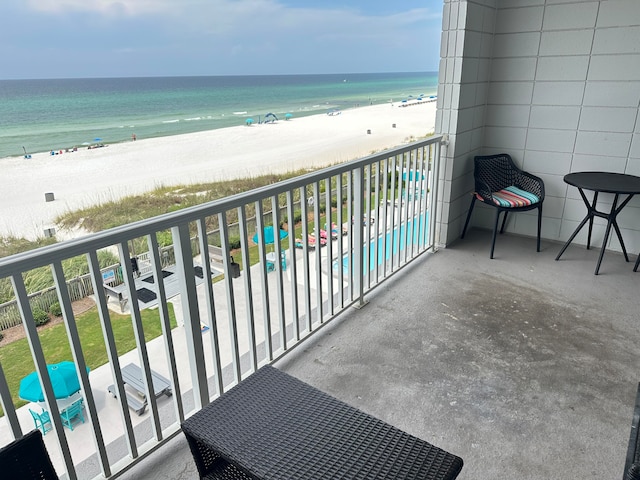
<point x="392" y="245"/>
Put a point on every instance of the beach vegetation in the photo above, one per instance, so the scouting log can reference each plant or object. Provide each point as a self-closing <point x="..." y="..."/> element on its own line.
<point x="11" y="245"/>
<point x="15" y="357"/>
<point x="164" y="199"/>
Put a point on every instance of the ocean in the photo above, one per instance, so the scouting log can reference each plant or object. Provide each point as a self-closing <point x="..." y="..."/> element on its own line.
<point x="44" y="115"/>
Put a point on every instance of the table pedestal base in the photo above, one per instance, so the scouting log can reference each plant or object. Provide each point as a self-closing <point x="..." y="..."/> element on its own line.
<point x="611" y="221"/>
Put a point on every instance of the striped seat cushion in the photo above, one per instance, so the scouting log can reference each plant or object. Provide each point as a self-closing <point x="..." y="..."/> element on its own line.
<point x="513" y="197"/>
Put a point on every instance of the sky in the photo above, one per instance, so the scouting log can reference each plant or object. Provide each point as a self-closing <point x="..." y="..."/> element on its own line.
<point x="141" y="38"/>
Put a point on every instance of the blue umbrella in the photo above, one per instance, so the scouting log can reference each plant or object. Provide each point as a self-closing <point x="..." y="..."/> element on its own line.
<point x="288" y="116"/>
<point x="269" y="235"/>
<point x="97" y="139"/>
<point x="249" y="121"/>
<point x="64" y="381"/>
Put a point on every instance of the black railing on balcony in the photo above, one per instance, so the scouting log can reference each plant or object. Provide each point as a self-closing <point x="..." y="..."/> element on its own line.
<point x="309" y="248"/>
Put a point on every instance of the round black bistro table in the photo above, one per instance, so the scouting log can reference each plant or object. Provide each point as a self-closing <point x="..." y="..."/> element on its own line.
<point x="603" y="182"/>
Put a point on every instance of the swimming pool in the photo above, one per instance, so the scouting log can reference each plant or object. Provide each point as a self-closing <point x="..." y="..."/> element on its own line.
<point x="392" y="245"/>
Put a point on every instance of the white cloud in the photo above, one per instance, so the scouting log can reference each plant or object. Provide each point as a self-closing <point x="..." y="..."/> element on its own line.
<point x="110" y="8"/>
<point x="228" y="16"/>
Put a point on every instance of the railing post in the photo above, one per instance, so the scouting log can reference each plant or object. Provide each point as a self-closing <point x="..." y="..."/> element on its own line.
<point x="81" y="365"/>
<point x="277" y="245"/>
<point x="358" y="241"/>
<point x="43" y="375"/>
<point x="248" y="286"/>
<point x="112" y="352"/>
<point x="266" y="308"/>
<point x="7" y="406"/>
<point x="191" y="314"/>
<point x="231" y="300"/>
<point x="435" y="200"/>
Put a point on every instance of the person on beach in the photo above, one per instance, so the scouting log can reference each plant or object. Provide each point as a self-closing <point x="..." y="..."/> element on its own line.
<point x="133" y="137"/>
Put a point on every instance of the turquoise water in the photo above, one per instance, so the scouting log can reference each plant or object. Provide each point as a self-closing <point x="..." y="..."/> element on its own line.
<point x="392" y="244"/>
<point x="41" y="115"/>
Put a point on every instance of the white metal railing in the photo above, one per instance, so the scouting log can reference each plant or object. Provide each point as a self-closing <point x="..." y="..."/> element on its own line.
<point x="381" y="209"/>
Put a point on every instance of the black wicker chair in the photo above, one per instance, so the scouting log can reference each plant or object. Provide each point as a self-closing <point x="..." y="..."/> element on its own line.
<point x="502" y="185"/>
<point x="27" y="458"/>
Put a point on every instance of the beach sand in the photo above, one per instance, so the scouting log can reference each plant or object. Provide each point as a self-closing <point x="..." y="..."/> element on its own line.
<point x="89" y="177"/>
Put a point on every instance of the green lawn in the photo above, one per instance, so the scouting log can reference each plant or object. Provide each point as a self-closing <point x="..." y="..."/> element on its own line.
<point x="16" y="357"/>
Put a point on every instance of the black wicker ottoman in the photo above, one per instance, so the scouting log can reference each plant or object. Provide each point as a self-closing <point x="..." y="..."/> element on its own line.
<point x="273" y="426"/>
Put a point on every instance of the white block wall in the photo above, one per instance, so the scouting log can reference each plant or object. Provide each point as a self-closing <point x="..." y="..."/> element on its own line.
<point x="554" y="83"/>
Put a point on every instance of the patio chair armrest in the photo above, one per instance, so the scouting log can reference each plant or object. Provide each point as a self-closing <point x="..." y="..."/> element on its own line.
<point x="484" y="191"/>
<point x="531" y="183"/>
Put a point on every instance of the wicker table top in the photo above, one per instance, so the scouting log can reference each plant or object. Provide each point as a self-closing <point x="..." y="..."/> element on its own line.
<point x="273" y="426"/>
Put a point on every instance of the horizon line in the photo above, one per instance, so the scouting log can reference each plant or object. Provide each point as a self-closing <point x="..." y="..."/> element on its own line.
<point x="216" y="75"/>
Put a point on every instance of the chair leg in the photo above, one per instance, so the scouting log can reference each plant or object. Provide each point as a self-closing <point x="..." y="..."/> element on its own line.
<point x="504" y="221"/>
<point x="539" y="225"/>
<point x="473" y="202"/>
<point x="495" y="232"/>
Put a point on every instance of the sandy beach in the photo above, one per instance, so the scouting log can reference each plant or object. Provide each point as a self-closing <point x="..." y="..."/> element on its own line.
<point x="92" y="176"/>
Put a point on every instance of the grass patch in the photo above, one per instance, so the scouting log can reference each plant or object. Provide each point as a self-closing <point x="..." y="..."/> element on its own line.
<point x="16" y="356"/>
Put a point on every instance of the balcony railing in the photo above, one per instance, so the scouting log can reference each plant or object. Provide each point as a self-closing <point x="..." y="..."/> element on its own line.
<point x="375" y="214"/>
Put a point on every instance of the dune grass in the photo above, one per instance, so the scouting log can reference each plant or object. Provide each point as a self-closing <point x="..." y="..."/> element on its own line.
<point x="160" y="201"/>
<point x="16" y="356"/>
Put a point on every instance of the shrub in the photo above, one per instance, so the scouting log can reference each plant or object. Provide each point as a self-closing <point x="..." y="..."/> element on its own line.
<point x="40" y="316"/>
<point x="1" y="336"/>
<point x="234" y="243"/>
<point x="55" y="309"/>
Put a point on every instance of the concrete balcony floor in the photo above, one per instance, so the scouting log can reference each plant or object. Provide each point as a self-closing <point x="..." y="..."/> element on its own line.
<point x="523" y="366"/>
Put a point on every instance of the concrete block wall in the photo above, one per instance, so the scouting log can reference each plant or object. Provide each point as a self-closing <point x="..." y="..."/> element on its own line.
<point x="562" y="95"/>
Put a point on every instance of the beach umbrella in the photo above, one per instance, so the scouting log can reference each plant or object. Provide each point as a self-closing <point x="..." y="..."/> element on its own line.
<point x="288" y="116"/>
<point x="269" y="235"/>
<point x="249" y="121"/>
<point x="97" y="139"/>
<point x="64" y="381"/>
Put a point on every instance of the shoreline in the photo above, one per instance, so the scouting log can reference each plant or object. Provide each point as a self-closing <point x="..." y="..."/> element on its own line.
<point x="88" y="177"/>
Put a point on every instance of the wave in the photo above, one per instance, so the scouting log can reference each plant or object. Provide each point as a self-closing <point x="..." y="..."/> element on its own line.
<point x="192" y="119"/>
<point x="170" y="121"/>
<point x="239" y="113"/>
